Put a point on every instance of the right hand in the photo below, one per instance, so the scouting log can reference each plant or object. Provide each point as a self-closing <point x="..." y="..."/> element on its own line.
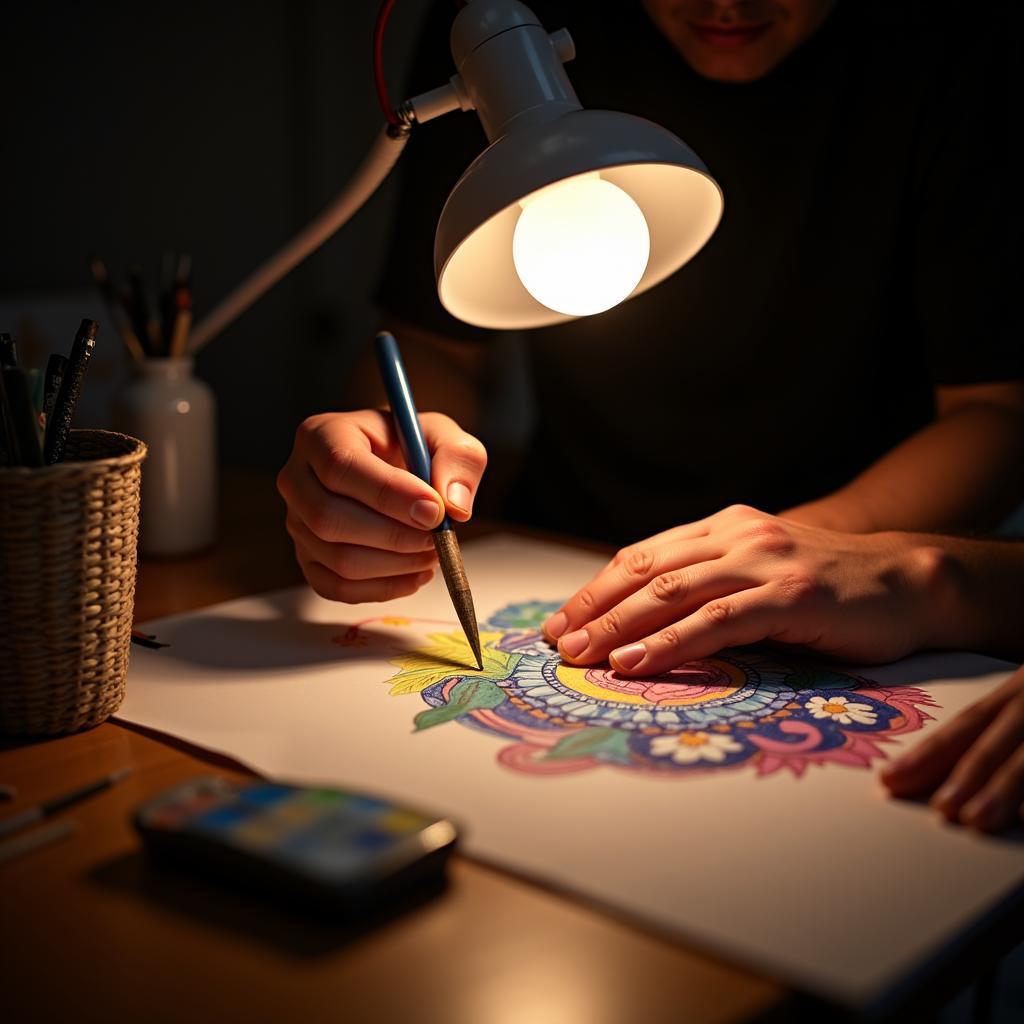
<point x="360" y="521"/>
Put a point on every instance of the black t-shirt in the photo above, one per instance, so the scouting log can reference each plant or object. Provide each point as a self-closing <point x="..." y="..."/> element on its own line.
<point x="866" y="254"/>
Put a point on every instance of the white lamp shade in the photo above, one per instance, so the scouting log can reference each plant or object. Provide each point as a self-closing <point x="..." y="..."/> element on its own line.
<point x="477" y="279"/>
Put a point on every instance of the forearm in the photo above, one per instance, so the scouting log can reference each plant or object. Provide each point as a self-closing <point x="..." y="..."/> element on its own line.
<point x="963" y="470"/>
<point x="968" y="593"/>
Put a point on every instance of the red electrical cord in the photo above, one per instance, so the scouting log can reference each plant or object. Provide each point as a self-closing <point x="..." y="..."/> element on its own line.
<point x="383" y="13"/>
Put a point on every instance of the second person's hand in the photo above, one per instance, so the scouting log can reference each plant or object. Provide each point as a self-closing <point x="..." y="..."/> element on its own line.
<point x="360" y="521"/>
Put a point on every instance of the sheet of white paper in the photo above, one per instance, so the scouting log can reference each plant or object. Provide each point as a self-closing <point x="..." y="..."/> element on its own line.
<point x="818" y="879"/>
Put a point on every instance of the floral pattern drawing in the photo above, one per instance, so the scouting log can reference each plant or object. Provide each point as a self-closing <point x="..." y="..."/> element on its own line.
<point x="744" y="708"/>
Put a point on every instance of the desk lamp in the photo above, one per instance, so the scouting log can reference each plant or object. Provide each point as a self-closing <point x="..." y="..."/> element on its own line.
<point x="566" y="213"/>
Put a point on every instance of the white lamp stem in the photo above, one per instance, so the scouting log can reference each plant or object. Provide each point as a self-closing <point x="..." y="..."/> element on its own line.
<point x="367" y="179"/>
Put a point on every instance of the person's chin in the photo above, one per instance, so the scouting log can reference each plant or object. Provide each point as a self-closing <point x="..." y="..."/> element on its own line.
<point x="729" y="65"/>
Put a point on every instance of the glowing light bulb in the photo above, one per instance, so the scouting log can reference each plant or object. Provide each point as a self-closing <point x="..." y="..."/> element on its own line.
<point x="580" y="246"/>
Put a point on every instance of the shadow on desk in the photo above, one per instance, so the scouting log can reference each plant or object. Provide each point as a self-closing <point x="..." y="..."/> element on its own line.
<point x="255" y="916"/>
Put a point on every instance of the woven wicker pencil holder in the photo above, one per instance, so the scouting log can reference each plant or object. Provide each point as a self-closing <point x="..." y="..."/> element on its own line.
<point x="68" y="537"/>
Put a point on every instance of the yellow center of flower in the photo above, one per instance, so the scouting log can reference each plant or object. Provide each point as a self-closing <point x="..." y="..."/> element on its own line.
<point x="835" y="709"/>
<point x="693" y="739"/>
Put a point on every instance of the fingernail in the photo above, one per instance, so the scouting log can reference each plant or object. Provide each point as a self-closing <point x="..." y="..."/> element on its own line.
<point x="556" y="625"/>
<point x="459" y="496"/>
<point x="629" y="657"/>
<point x="575" y="643"/>
<point x="425" y="512"/>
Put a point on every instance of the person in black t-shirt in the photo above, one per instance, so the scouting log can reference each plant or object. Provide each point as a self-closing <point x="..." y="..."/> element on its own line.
<point x="843" y="354"/>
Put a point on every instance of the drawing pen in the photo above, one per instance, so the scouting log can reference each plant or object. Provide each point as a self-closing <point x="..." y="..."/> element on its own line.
<point x="116" y="308"/>
<point x="56" y="367"/>
<point x="8" y="350"/>
<point x="23" y="419"/>
<point x="71" y="387"/>
<point x="417" y="458"/>
<point x="30" y="815"/>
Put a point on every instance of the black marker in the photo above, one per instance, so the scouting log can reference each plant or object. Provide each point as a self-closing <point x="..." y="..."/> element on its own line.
<point x="8" y="350"/>
<point x="23" y="420"/>
<point x="71" y="387"/>
<point x="56" y="367"/>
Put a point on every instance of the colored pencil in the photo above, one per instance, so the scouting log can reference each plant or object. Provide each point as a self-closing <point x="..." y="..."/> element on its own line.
<point x="37" y="812"/>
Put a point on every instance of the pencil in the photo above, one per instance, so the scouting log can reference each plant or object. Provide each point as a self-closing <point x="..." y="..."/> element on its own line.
<point x="182" y="323"/>
<point x="71" y="387"/>
<point x="11" y="849"/>
<point x="417" y="458"/>
<point x="31" y="815"/>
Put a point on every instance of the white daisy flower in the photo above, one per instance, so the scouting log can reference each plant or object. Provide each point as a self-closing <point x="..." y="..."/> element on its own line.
<point x="691" y="747"/>
<point x="842" y="710"/>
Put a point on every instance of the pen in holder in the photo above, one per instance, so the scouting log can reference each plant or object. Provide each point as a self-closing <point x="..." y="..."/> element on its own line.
<point x="175" y="414"/>
<point x="67" y="584"/>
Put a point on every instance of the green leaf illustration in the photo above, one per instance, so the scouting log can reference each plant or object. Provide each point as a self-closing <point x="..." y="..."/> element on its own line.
<point x="595" y="741"/>
<point x="448" y="655"/>
<point x="467" y="695"/>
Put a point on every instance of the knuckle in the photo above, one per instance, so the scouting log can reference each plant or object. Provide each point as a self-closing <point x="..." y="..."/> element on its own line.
<point x="767" y="535"/>
<point x="717" y="613"/>
<point x="669" y="587"/>
<point x="799" y="587"/>
<point x="669" y="637"/>
<point x="638" y="563"/>
<point x="283" y="482"/>
<point x="740" y="511"/>
<point x="610" y="623"/>
<point x="385" y="498"/>
<point x="586" y="600"/>
<point x="470" y="452"/>
<point x="400" y="539"/>
<point x="341" y="462"/>
<point x="621" y="555"/>
<point x="322" y="522"/>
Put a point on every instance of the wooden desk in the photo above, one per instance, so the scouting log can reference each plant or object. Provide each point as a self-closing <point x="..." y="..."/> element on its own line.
<point x="92" y="934"/>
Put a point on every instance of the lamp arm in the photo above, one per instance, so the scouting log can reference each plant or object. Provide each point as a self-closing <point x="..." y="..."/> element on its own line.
<point x="367" y="179"/>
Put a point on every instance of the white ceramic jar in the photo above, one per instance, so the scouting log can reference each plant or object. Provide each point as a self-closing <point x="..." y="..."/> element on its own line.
<point x="175" y="413"/>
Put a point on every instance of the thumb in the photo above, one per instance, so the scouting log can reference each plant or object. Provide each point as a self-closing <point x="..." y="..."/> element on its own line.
<point x="458" y="461"/>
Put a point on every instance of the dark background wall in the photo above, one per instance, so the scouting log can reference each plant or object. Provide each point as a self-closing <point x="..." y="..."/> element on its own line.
<point x="214" y="128"/>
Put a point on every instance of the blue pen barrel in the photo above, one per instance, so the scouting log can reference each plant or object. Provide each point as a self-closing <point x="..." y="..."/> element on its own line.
<point x="403" y="408"/>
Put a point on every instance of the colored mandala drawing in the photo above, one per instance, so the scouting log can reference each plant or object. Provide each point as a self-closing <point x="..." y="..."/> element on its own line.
<point x="743" y="708"/>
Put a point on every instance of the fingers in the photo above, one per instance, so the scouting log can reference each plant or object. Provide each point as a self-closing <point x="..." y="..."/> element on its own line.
<point x="356" y="562"/>
<point x="458" y="461"/>
<point x="331" y="586"/>
<point x="630" y="571"/>
<point x="667" y="598"/>
<point x="341" y="452"/>
<point x="336" y="519"/>
<point x="921" y="769"/>
<point x="966" y="795"/>
<point x="742" y="618"/>
<point x="1001" y="800"/>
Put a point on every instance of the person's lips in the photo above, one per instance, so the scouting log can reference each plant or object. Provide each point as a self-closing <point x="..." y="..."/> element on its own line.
<point x="729" y="37"/>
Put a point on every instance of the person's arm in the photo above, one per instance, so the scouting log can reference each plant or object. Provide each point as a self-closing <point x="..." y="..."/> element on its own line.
<point x="962" y="470"/>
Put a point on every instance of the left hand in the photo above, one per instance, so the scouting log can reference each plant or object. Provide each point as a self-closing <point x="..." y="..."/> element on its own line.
<point x="741" y="576"/>
<point x="978" y="756"/>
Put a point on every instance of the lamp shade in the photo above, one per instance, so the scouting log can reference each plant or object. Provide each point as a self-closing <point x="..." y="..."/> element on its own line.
<point x="477" y="278"/>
